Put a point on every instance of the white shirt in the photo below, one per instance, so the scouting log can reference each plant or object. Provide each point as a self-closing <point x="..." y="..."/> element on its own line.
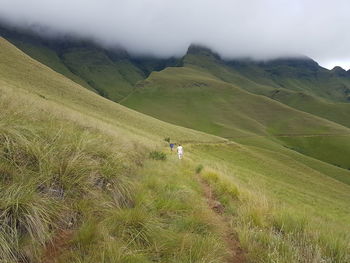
<point x="180" y="150"/>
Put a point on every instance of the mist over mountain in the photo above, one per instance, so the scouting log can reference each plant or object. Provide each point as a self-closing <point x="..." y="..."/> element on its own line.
<point x="257" y="29"/>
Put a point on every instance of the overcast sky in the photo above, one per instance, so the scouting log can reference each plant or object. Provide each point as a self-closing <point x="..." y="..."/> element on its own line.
<point x="260" y="29"/>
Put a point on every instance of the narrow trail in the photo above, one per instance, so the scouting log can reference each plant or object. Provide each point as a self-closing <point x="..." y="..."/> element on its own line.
<point x="237" y="254"/>
<point x="56" y="247"/>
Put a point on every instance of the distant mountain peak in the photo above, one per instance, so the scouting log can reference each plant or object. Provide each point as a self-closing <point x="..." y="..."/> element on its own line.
<point x="198" y="49"/>
<point x="338" y="68"/>
<point x="339" y="71"/>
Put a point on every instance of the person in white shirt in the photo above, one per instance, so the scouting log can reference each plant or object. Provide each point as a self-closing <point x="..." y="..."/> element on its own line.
<point x="180" y="151"/>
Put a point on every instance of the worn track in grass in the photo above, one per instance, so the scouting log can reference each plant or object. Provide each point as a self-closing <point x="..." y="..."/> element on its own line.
<point x="237" y="254"/>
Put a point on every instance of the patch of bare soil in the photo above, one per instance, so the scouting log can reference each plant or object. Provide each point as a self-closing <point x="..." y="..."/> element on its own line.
<point x="55" y="248"/>
<point x="237" y="254"/>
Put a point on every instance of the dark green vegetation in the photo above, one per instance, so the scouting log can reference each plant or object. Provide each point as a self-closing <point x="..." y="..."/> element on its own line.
<point x="81" y="179"/>
<point x="111" y="73"/>
<point x="156" y="155"/>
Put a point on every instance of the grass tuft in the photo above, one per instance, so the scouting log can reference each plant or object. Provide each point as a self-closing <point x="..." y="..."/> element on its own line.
<point x="156" y="155"/>
<point x="199" y="168"/>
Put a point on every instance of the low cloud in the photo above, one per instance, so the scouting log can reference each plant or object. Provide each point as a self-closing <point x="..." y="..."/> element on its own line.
<point x="260" y="29"/>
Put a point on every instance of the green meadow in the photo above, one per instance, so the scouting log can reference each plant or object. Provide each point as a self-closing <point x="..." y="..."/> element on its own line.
<point x="78" y="182"/>
<point x="191" y="97"/>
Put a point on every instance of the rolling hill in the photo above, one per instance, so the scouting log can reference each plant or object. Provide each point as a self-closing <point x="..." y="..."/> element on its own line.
<point x="194" y="98"/>
<point x="299" y="82"/>
<point x="78" y="183"/>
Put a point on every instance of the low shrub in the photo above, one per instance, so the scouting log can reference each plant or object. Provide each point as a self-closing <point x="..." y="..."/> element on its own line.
<point x="199" y="168"/>
<point x="156" y="155"/>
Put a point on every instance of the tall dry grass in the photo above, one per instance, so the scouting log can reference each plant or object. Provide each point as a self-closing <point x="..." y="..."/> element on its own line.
<point x="46" y="167"/>
<point x="270" y="232"/>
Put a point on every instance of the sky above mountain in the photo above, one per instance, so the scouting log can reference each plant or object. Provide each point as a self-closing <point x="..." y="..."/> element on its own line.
<point x="261" y="29"/>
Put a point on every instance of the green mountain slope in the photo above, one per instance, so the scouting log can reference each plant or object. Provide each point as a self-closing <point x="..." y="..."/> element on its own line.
<point x="50" y="58"/>
<point x="297" y="74"/>
<point x="335" y="111"/>
<point x="300" y="82"/>
<point x="51" y="86"/>
<point x="111" y="73"/>
<point x="77" y="184"/>
<point x="113" y="79"/>
<point x="194" y="98"/>
<point x="313" y="89"/>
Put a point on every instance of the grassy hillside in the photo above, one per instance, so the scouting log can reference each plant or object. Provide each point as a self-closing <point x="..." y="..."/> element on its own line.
<point x="112" y="73"/>
<point x="52" y="87"/>
<point x="297" y="74"/>
<point x="337" y="112"/>
<point x="69" y="170"/>
<point x="49" y="58"/>
<point x="112" y="79"/>
<point x="78" y="185"/>
<point x="300" y="192"/>
<point x="294" y="74"/>
<point x="300" y="84"/>
<point x="196" y="99"/>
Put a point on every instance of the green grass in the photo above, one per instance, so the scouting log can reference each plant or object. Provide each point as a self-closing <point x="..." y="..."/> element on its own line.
<point x="337" y="112"/>
<point x="88" y="66"/>
<point x="41" y="86"/>
<point x="284" y="177"/>
<point x="73" y="162"/>
<point x="61" y="176"/>
<point x="314" y="90"/>
<point x="112" y="79"/>
<point x="68" y="165"/>
<point x="286" y="214"/>
<point x="49" y="58"/>
<point x="300" y="84"/>
<point x="156" y="155"/>
<point x="194" y="98"/>
<point x="110" y="73"/>
<point x="47" y="169"/>
<point x="301" y="75"/>
<point x="331" y="149"/>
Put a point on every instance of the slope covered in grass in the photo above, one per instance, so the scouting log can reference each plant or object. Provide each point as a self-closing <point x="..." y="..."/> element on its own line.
<point x="300" y="82"/>
<point x="27" y="75"/>
<point x="313" y="89"/>
<point x="70" y="168"/>
<point x="49" y="58"/>
<point x="77" y="184"/>
<point x="297" y="74"/>
<point x="335" y="111"/>
<point x="113" y="79"/>
<point x="72" y="193"/>
<point x="196" y="99"/>
<point x="112" y="72"/>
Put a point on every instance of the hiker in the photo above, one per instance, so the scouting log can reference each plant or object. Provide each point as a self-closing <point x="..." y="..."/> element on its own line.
<point x="171" y="146"/>
<point x="180" y="151"/>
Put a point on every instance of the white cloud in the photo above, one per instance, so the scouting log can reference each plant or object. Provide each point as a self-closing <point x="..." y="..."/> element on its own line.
<point x="256" y="28"/>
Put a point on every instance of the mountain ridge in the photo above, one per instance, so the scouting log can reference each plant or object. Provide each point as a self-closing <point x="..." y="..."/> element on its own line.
<point x="298" y="82"/>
